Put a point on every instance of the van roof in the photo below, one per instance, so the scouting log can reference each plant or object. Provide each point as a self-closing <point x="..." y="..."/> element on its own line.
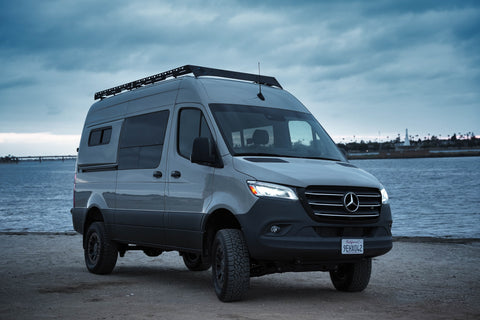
<point x="187" y="69"/>
<point x="190" y="89"/>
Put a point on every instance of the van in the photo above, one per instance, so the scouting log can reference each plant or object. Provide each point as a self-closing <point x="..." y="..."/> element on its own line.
<point x="231" y="171"/>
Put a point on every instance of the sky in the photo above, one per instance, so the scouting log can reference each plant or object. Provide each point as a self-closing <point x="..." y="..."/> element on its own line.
<point x="367" y="70"/>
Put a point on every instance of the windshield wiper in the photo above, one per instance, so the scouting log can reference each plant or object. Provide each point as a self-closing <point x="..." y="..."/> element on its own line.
<point x="264" y="154"/>
<point x="321" y="158"/>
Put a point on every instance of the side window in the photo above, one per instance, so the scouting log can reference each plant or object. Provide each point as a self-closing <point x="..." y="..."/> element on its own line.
<point x="141" y="141"/>
<point x="237" y="139"/>
<point x="191" y="124"/>
<point x="99" y="136"/>
<point x="300" y="133"/>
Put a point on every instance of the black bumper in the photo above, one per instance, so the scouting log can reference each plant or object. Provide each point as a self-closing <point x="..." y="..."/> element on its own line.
<point x="78" y="218"/>
<point x="299" y="238"/>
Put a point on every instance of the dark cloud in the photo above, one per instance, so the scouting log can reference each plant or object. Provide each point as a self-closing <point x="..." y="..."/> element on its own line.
<point x="379" y="55"/>
<point x="6" y="84"/>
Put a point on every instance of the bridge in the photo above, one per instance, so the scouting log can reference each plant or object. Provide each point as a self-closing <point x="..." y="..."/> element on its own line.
<point x="37" y="158"/>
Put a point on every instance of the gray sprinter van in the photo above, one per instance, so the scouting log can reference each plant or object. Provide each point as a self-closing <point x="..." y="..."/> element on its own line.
<point x="231" y="171"/>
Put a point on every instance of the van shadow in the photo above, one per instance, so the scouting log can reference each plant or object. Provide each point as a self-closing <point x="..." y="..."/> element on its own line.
<point x="164" y="275"/>
<point x="285" y="287"/>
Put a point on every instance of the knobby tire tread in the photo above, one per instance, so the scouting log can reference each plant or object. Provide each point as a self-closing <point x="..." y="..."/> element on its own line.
<point x="237" y="275"/>
<point x="108" y="254"/>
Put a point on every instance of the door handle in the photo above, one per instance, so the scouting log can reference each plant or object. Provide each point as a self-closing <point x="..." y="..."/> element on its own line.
<point x="176" y="174"/>
<point x="157" y="174"/>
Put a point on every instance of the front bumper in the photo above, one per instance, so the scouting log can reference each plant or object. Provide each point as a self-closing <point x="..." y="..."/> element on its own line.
<point x="281" y="230"/>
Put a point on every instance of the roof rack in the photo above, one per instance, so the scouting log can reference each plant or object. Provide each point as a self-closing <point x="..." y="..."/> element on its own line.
<point x="197" y="72"/>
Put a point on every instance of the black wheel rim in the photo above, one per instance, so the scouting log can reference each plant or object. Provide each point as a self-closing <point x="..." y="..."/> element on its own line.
<point x="341" y="273"/>
<point x="220" y="266"/>
<point x="93" y="248"/>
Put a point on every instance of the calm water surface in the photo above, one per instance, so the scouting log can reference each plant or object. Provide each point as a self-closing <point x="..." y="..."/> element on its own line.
<point x="429" y="197"/>
<point x="36" y="196"/>
<point x="433" y="197"/>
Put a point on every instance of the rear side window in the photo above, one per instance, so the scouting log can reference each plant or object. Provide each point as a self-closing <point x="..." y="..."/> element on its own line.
<point x="141" y="141"/>
<point x="99" y="136"/>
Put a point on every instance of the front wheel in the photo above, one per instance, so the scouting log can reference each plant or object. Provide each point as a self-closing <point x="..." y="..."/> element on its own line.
<point x="100" y="253"/>
<point x="352" y="277"/>
<point x="230" y="265"/>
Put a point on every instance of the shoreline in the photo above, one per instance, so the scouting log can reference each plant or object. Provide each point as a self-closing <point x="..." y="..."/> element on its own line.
<point x="414" y="154"/>
<point x="391" y="154"/>
<point x="419" y="239"/>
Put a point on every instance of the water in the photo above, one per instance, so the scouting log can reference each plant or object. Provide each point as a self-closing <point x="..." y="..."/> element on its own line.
<point x="431" y="197"/>
<point x="36" y="196"/>
<point x="436" y="197"/>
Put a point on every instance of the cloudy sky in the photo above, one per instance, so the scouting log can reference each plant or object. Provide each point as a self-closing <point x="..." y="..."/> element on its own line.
<point x="368" y="69"/>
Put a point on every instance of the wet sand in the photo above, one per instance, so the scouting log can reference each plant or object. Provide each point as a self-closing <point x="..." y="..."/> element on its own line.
<point x="44" y="277"/>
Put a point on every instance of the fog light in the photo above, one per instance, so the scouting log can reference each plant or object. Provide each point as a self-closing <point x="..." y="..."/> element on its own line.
<point x="274" y="229"/>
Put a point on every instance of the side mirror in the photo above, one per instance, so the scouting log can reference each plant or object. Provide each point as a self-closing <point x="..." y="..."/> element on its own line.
<point x="203" y="152"/>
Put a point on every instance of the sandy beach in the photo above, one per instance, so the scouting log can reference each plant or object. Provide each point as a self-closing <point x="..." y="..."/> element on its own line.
<point x="43" y="276"/>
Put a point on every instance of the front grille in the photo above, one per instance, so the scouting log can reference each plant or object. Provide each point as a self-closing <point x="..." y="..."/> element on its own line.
<point x="328" y="202"/>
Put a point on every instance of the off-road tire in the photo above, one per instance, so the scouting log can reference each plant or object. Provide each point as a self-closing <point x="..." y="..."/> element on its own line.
<point x="230" y="265"/>
<point x="195" y="262"/>
<point x="100" y="252"/>
<point x="352" y="277"/>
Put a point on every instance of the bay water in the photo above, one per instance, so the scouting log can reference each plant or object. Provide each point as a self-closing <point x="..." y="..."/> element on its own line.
<point x="429" y="197"/>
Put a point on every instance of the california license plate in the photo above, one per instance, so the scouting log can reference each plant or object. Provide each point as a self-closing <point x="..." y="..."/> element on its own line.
<point x="352" y="246"/>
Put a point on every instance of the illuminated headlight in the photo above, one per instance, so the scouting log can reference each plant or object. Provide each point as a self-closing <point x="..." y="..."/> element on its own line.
<point x="384" y="196"/>
<point x="263" y="189"/>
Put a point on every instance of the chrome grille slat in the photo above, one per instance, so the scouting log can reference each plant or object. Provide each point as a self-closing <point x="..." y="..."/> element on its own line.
<point x="325" y="204"/>
<point x="369" y="196"/>
<point x="324" y="194"/>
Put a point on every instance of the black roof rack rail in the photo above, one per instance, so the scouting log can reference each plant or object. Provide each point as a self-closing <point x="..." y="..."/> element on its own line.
<point x="197" y="72"/>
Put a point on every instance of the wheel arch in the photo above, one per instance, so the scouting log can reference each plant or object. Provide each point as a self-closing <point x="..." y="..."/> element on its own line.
<point x="217" y="220"/>
<point x="93" y="214"/>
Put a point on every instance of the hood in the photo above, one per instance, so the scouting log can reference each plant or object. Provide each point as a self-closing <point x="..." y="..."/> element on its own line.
<point x="299" y="172"/>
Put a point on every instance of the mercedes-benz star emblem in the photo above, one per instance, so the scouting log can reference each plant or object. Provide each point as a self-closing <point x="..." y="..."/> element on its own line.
<point x="351" y="202"/>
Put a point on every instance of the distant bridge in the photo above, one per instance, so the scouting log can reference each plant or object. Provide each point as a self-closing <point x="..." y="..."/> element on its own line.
<point x="38" y="158"/>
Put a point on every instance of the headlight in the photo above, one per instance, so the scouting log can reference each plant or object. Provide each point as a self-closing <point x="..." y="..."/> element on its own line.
<point x="384" y="196"/>
<point x="263" y="189"/>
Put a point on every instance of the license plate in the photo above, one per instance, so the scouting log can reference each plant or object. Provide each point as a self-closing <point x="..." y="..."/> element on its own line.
<point x="352" y="246"/>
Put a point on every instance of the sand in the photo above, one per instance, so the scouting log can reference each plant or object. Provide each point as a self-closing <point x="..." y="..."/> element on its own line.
<point x="44" y="277"/>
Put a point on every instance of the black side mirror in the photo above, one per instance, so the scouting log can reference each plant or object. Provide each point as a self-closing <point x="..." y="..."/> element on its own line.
<point x="203" y="152"/>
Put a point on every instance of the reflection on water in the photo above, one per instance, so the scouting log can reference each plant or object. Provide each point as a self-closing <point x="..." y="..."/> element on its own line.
<point x="437" y="197"/>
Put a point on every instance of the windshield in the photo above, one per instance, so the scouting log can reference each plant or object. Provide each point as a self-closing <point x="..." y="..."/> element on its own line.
<point x="261" y="131"/>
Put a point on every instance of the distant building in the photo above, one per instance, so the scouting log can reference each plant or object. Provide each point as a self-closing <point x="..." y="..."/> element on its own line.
<point x="407" y="139"/>
<point x="405" y="146"/>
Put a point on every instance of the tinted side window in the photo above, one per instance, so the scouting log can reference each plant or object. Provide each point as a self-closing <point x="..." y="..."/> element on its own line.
<point x="106" y="134"/>
<point x="192" y="124"/>
<point x="141" y="141"/>
<point x="99" y="136"/>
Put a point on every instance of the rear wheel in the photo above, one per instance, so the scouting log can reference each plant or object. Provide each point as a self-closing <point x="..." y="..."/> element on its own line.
<point x="100" y="253"/>
<point x="352" y="277"/>
<point x="195" y="262"/>
<point x="230" y="265"/>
